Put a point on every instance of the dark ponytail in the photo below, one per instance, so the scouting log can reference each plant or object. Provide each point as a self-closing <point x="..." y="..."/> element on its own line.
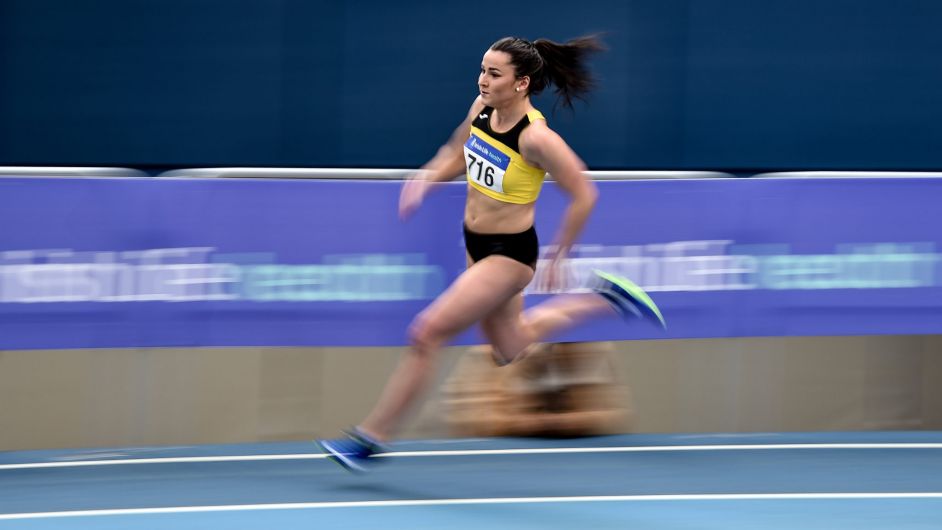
<point x="547" y="62"/>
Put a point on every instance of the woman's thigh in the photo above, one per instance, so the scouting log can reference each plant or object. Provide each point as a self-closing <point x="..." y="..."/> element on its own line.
<point x="486" y="286"/>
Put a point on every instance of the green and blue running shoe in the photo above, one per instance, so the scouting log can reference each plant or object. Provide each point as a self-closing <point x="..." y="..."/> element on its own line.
<point x="354" y="453"/>
<point x="626" y="297"/>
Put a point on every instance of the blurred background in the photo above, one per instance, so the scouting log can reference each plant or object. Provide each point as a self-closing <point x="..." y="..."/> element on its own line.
<point x="734" y="87"/>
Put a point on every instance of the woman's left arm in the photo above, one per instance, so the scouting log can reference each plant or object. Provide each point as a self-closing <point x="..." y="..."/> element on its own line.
<point x="545" y="148"/>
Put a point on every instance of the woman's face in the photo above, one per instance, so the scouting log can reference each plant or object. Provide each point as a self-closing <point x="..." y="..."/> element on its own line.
<point x="498" y="79"/>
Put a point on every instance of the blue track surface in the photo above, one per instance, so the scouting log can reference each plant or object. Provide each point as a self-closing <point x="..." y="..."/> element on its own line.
<point x="829" y="481"/>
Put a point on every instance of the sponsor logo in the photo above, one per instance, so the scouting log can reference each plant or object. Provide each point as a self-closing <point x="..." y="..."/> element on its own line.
<point x="493" y="155"/>
<point x="193" y="274"/>
<point x="724" y="265"/>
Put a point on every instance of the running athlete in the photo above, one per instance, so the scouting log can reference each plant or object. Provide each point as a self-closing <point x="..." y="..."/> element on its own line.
<point x="505" y="148"/>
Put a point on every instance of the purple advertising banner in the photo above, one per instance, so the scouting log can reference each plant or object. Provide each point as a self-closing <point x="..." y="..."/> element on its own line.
<point x="109" y="262"/>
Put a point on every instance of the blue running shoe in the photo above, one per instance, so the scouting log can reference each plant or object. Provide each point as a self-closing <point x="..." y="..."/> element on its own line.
<point x="354" y="452"/>
<point x="626" y="297"/>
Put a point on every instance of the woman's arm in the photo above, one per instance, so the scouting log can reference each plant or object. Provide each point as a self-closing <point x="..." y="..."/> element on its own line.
<point x="447" y="164"/>
<point x="545" y="148"/>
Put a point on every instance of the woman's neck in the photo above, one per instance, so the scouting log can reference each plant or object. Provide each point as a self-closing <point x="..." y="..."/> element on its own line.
<point x="507" y="116"/>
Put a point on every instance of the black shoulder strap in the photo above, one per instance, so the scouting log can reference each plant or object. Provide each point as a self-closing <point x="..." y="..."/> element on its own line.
<point x="482" y="120"/>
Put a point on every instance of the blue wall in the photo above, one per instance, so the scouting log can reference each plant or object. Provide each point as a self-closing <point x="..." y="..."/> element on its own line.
<point x="724" y="84"/>
<point x="142" y="262"/>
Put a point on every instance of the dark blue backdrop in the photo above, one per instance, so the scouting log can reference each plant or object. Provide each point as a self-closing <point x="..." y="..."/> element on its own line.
<point x="726" y="84"/>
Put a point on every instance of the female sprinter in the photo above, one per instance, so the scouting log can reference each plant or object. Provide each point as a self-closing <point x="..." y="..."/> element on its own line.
<point x="505" y="147"/>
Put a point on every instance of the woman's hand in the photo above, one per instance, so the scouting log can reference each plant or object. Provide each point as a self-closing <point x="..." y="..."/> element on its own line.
<point x="412" y="194"/>
<point x="555" y="276"/>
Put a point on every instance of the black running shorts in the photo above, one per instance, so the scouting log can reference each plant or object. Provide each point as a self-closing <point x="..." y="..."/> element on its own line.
<point x="523" y="247"/>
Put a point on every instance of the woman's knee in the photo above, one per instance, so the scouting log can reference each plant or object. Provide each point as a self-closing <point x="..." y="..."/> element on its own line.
<point x="426" y="335"/>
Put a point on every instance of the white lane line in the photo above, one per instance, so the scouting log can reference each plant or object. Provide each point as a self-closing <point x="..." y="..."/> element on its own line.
<point x="480" y="452"/>
<point x="441" y="502"/>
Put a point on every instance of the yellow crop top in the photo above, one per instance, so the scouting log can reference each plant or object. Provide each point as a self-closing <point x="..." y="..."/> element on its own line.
<point x="495" y="166"/>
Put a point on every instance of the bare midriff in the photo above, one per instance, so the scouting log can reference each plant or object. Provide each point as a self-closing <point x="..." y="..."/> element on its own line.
<point x="485" y="215"/>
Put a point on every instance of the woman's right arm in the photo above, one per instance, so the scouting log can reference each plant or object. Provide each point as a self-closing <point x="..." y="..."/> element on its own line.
<point x="447" y="164"/>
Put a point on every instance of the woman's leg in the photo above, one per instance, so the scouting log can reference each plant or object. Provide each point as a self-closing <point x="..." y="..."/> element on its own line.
<point x="512" y="331"/>
<point x="478" y="292"/>
<point x="564" y="311"/>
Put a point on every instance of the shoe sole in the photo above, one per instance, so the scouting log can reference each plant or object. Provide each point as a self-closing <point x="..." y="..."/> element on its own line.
<point x="636" y="294"/>
<point x="338" y="458"/>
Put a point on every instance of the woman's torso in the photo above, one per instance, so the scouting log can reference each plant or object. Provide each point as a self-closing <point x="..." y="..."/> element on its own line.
<point x="502" y="185"/>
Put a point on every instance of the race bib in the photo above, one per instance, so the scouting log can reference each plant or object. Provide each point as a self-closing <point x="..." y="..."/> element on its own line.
<point x="486" y="164"/>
